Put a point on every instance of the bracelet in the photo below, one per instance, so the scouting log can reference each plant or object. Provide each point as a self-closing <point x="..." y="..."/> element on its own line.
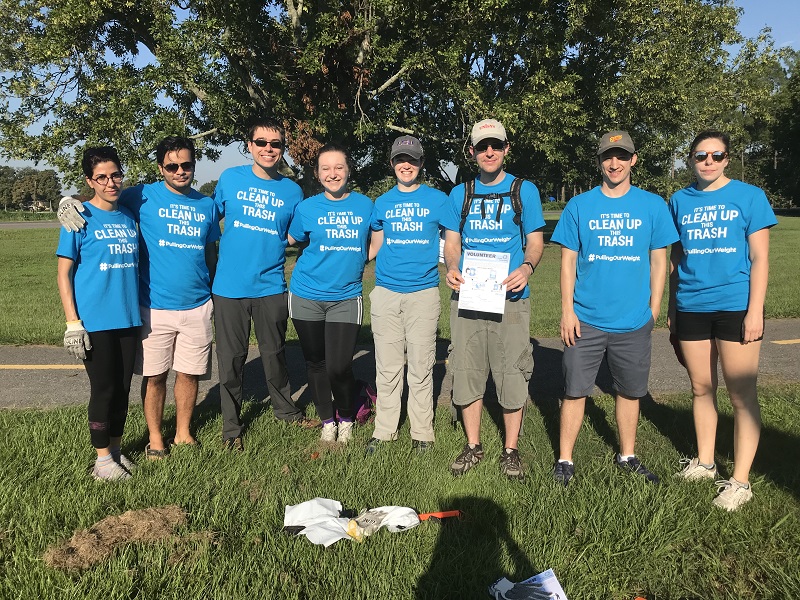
<point x="527" y="262"/>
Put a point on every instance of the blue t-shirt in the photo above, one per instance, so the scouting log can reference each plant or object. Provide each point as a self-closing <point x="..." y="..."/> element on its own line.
<point x="257" y="213"/>
<point x="337" y="232"/>
<point x="409" y="257"/>
<point x="173" y="232"/>
<point x="613" y="237"/>
<point x="106" y="274"/>
<point x="714" y="271"/>
<point x="491" y="235"/>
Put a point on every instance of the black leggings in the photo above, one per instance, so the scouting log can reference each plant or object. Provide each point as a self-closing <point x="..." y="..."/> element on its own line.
<point x="328" y="349"/>
<point x="109" y="365"/>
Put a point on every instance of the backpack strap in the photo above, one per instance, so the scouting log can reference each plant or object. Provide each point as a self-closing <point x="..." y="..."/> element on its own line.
<point x="516" y="202"/>
<point x="469" y="193"/>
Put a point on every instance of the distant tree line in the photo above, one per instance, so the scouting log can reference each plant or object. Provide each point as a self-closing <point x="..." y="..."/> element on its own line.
<point x="556" y="72"/>
<point x="29" y="189"/>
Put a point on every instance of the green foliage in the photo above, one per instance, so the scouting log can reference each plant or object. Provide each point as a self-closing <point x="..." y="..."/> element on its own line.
<point x="28" y="189"/>
<point x="556" y="72"/>
<point x="208" y="188"/>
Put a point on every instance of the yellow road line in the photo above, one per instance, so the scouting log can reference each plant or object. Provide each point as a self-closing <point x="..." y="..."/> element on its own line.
<point x="784" y="342"/>
<point x="35" y="367"/>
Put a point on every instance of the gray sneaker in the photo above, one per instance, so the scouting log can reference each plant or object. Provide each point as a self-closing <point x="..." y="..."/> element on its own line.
<point x="731" y="494"/>
<point x="126" y="463"/>
<point x="693" y="470"/>
<point x="468" y="458"/>
<point x="511" y="464"/>
<point x="115" y="472"/>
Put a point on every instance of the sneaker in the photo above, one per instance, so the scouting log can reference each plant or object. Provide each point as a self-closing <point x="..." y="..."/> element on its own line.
<point x="511" y="464"/>
<point x="731" y="494"/>
<point x="328" y="432"/>
<point x="115" y="472"/>
<point x="345" y="432"/>
<point x="373" y="445"/>
<point x="633" y="465"/>
<point x="693" y="470"/>
<point x="421" y="446"/>
<point x="126" y="463"/>
<point x="563" y="472"/>
<point x="234" y="443"/>
<point x="468" y="458"/>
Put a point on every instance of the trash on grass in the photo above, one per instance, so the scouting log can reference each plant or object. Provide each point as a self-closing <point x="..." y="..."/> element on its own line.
<point x="544" y="586"/>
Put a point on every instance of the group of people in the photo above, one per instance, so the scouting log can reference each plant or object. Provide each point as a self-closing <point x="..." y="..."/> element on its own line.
<point x="613" y="240"/>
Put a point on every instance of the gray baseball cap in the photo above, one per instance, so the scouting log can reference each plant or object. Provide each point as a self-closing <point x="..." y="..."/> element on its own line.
<point x="407" y="144"/>
<point x="616" y="139"/>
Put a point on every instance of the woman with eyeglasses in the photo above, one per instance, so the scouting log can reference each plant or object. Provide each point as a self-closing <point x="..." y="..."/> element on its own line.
<point x="718" y="283"/>
<point x="325" y="301"/>
<point x="98" y="281"/>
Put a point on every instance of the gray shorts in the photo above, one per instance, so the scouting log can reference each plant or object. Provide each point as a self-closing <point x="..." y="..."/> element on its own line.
<point x="502" y="346"/>
<point x="628" y="359"/>
<point x="336" y="311"/>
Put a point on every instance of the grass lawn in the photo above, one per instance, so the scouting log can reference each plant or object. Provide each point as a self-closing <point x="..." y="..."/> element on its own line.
<point x="30" y="311"/>
<point x="607" y="536"/>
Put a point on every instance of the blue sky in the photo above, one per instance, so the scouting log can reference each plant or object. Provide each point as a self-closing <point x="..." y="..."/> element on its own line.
<point x="783" y="16"/>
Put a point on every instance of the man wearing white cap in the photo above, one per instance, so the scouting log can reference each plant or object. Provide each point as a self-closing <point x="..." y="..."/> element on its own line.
<point x="496" y="216"/>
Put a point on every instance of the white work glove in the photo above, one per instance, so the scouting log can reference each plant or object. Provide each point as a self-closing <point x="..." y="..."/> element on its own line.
<point x="76" y="340"/>
<point x="68" y="214"/>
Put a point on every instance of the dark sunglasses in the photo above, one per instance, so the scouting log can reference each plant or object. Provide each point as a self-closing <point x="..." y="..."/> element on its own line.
<point x="265" y="143"/>
<point x="173" y="167"/>
<point x="103" y="179"/>
<point x="717" y="156"/>
<point x="495" y="145"/>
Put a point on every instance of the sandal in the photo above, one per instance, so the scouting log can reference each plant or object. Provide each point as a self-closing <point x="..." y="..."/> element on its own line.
<point x="153" y="454"/>
<point x="172" y="444"/>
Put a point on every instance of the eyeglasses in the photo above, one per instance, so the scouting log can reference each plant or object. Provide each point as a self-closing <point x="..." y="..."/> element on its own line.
<point x="717" y="156"/>
<point x="265" y="143"/>
<point x="173" y="167"/>
<point x="485" y="144"/>
<point x="103" y="179"/>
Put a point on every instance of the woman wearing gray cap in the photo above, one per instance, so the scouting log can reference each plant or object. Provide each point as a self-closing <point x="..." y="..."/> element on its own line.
<point x="405" y="302"/>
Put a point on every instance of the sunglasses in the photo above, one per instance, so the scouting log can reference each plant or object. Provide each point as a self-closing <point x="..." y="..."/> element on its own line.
<point x="173" y="167"/>
<point x="103" y="179"/>
<point x="718" y="156"/>
<point x="265" y="143"/>
<point x="486" y="144"/>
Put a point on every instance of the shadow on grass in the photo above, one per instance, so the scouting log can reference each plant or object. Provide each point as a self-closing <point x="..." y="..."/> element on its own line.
<point x="777" y="450"/>
<point x="469" y="554"/>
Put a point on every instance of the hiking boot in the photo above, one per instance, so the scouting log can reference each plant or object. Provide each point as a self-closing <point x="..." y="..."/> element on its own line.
<point x="328" y="432"/>
<point x="563" y="472"/>
<point x="234" y="443"/>
<point x="511" y="464"/>
<point x="468" y="458"/>
<point x="421" y="446"/>
<point x="115" y="472"/>
<point x="731" y="494"/>
<point x="345" y="432"/>
<point x="632" y="465"/>
<point x="693" y="470"/>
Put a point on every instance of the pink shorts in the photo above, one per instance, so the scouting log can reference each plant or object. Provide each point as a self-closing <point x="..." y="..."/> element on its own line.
<point x="177" y="339"/>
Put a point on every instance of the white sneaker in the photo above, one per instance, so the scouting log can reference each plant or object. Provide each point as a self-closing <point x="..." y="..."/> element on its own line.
<point x="693" y="470"/>
<point x="115" y="472"/>
<point x="345" y="431"/>
<point x="328" y="432"/>
<point x="731" y="494"/>
<point x="126" y="463"/>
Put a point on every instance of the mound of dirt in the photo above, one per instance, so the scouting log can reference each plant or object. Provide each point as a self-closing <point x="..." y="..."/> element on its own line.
<point x="88" y="547"/>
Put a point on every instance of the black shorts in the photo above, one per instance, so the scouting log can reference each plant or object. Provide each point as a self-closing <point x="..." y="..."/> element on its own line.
<point x="724" y="325"/>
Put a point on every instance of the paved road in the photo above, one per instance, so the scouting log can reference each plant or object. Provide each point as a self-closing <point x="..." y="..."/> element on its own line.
<point x="46" y="377"/>
<point x="29" y="225"/>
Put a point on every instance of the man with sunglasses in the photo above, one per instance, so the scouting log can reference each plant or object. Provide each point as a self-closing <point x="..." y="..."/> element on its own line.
<point x="258" y="204"/>
<point x="178" y="231"/>
<point x="613" y="269"/>
<point x="484" y="342"/>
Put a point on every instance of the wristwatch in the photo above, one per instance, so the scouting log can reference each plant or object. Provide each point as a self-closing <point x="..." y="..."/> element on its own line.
<point x="527" y="262"/>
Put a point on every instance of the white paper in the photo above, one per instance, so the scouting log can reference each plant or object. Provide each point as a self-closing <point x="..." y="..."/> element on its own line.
<point x="483" y="273"/>
<point x="544" y="586"/>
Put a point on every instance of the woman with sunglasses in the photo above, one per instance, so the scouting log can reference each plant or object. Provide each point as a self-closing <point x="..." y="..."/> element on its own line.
<point x="718" y="282"/>
<point x="98" y="281"/>
<point x="325" y="301"/>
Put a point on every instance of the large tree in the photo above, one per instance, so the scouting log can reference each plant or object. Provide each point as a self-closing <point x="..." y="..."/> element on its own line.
<point x="555" y="71"/>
